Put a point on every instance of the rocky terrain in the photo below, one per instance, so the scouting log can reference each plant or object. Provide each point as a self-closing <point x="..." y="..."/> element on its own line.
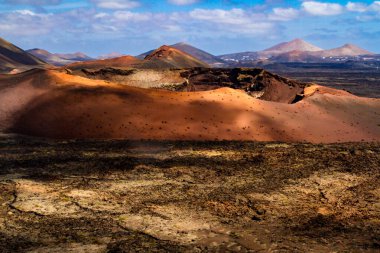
<point x="122" y="196"/>
<point x="256" y="82"/>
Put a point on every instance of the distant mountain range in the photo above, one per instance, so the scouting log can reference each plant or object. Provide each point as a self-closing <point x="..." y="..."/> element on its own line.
<point x="293" y="51"/>
<point x="58" y="59"/>
<point x="163" y="57"/>
<point x="296" y="51"/>
<point x="183" y="55"/>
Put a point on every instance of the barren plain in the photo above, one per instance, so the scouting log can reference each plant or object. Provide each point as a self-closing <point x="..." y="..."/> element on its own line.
<point x="160" y="196"/>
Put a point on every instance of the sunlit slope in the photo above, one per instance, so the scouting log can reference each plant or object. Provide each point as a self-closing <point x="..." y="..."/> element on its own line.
<point x="58" y="105"/>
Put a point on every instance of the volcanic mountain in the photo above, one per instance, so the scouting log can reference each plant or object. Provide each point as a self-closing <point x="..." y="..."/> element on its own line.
<point x="199" y="54"/>
<point x="53" y="104"/>
<point x="345" y="50"/>
<point x="297" y="44"/>
<point x="119" y="62"/>
<point x="169" y="57"/>
<point x="58" y="59"/>
<point x="12" y="57"/>
<point x="193" y="51"/>
<point x="319" y="56"/>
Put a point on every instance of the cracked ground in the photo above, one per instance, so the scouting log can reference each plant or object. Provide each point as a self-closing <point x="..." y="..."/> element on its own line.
<point x="120" y="196"/>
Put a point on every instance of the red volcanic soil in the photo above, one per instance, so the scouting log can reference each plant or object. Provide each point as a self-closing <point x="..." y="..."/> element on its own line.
<point x="119" y="62"/>
<point x="56" y="105"/>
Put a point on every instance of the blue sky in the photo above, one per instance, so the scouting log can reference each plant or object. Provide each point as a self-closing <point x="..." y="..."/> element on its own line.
<point x="98" y="27"/>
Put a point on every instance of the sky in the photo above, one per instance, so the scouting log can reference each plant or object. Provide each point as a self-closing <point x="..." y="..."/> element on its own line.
<point x="100" y="27"/>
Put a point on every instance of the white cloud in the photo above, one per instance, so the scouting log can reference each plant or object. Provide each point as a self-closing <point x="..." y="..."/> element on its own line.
<point x="183" y="2"/>
<point x="116" y="4"/>
<point x="322" y="9"/>
<point x="367" y="12"/>
<point x="26" y="23"/>
<point x="375" y="6"/>
<point x="26" y="12"/>
<point x="173" y="28"/>
<point x="101" y="15"/>
<point x="283" y="14"/>
<point x="232" y="17"/>
<point x="132" y="16"/>
<point x="356" y="7"/>
<point x="236" y="21"/>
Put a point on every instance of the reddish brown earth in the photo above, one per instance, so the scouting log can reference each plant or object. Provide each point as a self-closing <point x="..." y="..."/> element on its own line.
<point x="119" y="62"/>
<point x="53" y="104"/>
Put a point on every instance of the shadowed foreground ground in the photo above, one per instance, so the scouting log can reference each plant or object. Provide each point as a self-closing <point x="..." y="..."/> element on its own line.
<point x="120" y="196"/>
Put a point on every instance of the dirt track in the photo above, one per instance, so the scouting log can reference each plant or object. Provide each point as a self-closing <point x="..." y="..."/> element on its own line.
<point x="120" y="196"/>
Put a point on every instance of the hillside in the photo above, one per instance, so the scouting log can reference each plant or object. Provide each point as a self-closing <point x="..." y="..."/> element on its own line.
<point x="199" y="54"/>
<point x="13" y="57"/>
<point x="164" y="57"/>
<point x="193" y="51"/>
<point x="297" y="44"/>
<point x="57" y="105"/>
<point x="296" y="56"/>
<point x="345" y="50"/>
<point x="169" y="57"/>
